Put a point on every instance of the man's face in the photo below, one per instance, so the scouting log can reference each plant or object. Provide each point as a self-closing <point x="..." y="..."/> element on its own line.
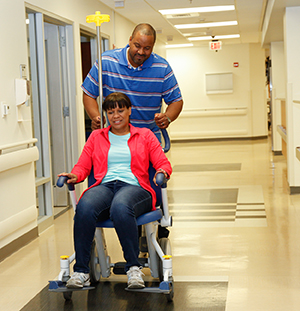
<point x="140" y="49"/>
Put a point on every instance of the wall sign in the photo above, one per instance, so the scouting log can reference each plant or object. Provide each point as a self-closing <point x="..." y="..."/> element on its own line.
<point x="215" y="45"/>
<point x="219" y="83"/>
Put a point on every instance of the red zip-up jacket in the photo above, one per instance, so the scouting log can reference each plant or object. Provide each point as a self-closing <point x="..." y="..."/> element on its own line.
<point x="144" y="148"/>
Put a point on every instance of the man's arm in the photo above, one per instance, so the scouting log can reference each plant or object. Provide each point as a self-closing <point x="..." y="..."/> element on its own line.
<point x="91" y="107"/>
<point x="172" y="112"/>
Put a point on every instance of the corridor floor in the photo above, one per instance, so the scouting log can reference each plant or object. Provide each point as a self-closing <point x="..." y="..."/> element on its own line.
<point x="234" y="240"/>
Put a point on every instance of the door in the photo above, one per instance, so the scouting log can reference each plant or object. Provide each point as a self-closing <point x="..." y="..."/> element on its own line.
<point x="53" y="89"/>
<point x="58" y="109"/>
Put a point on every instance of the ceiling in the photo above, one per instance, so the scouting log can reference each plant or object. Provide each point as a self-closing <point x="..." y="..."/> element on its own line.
<point x="248" y="14"/>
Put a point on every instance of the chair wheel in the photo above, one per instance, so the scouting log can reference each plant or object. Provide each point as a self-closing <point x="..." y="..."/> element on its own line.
<point x="95" y="271"/>
<point x="170" y="296"/>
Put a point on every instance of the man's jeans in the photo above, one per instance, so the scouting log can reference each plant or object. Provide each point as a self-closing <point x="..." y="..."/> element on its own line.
<point x="121" y="202"/>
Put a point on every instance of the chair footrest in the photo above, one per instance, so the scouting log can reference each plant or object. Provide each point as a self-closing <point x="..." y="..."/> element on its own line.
<point x="119" y="267"/>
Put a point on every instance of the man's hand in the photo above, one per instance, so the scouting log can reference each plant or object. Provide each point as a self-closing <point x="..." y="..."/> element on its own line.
<point x="96" y="123"/>
<point x="91" y="107"/>
<point x="172" y="112"/>
<point x="161" y="120"/>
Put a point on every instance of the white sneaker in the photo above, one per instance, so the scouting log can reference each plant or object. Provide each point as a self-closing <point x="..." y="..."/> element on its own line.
<point x="78" y="280"/>
<point x="135" y="279"/>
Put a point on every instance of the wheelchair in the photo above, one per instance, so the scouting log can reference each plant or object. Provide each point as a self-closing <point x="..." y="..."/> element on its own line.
<point x="159" y="254"/>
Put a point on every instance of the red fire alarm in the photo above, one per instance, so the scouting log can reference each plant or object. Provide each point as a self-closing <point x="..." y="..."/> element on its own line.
<point x="236" y="64"/>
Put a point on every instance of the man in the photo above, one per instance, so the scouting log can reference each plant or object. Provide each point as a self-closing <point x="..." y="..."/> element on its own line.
<point x="143" y="76"/>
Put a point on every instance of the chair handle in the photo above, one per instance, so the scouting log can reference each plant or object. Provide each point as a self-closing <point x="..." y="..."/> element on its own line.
<point x="63" y="180"/>
<point x="166" y="140"/>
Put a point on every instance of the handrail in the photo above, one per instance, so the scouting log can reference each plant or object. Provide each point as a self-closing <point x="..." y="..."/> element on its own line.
<point x="298" y="153"/>
<point x="18" y="158"/>
<point x="18" y="144"/>
<point x="214" y="109"/>
<point x="296" y="101"/>
<point x="282" y="131"/>
<point x="213" y="112"/>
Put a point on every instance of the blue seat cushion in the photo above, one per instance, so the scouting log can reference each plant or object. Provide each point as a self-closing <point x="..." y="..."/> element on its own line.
<point x="141" y="220"/>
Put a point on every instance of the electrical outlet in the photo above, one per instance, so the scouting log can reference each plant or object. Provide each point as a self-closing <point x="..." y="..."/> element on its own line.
<point x="4" y="109"/>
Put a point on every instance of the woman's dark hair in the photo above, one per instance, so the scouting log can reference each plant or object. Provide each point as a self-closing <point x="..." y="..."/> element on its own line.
<point x="116" y="99"/>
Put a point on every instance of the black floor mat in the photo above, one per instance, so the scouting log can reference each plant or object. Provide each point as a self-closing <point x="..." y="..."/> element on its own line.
<point x="202" y="296"/>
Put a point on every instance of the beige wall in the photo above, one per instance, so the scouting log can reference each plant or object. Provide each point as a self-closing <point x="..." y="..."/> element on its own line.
<point x="240" y="114"/>
<point x="18" y="211"/>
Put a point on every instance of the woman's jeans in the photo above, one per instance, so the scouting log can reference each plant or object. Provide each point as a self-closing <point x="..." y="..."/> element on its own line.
<point x="121" y="202"/>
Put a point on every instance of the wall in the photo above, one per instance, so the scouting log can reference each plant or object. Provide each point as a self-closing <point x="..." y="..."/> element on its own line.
<point x="278" y="78"/>
<point x="18" y="213"/>
<point x="259" y="126"/>
<point x="240" y="114"/>
<point x="292" y="64"/>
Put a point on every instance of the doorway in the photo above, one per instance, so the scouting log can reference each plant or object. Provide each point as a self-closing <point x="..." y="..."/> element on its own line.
<point x="53" y="90"/>
<point x="88" y="58"/>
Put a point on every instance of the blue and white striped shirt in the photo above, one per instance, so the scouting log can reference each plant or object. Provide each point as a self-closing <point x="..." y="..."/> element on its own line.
<point x="146" y="85"/>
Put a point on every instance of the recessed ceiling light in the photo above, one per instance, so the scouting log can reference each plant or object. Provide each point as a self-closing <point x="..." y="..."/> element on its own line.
<point x="215" y="37"/>
<point x="206" y="25"/>
<point x="217" y="8"/>
<point x="179" y="45"/>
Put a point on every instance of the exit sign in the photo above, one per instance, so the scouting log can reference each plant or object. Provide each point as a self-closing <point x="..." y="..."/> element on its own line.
<point x="215" y="45"/>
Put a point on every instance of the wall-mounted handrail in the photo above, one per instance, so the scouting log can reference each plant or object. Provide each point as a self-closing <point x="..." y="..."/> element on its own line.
<point x="18" y="158"/>
<point x="298" y="153"/>
<point x="206" y="112"/>
<point x="282" y="131"/>
<point x="26" y="143"/>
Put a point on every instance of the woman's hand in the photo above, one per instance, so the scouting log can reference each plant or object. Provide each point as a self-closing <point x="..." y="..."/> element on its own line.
<point x="72" y="177"/>
<point x="160" y="171"/>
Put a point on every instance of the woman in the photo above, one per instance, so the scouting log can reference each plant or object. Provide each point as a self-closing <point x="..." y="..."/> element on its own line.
<point x="120" y="155"/>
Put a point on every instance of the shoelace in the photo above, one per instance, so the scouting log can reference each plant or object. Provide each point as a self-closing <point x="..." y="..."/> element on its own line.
<point x="80" y="276"/>
<point x="135" y="272"/>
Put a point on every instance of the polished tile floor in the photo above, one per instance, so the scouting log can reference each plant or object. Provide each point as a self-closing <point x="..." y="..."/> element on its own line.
<point x="234" y="224"/>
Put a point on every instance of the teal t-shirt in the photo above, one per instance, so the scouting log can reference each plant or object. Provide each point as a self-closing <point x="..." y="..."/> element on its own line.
<point x="119" y="160"/>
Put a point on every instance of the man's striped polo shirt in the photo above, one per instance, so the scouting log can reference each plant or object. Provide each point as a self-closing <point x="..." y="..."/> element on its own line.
<point x="146" y="85"/>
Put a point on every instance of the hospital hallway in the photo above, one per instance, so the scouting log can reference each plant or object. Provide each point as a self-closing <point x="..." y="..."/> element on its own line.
<point x="235" y="240"/>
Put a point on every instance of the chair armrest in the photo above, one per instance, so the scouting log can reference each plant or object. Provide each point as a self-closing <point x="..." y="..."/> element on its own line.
<point x="63" y="180"/>
<point x="161" y="180"/>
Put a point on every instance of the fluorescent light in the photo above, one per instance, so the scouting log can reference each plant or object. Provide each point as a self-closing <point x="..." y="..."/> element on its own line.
<point x="179" y="45"/>
<point x="218" y="8"/>
<point x="215" y="38"/>
<point x="206" y="25"/>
